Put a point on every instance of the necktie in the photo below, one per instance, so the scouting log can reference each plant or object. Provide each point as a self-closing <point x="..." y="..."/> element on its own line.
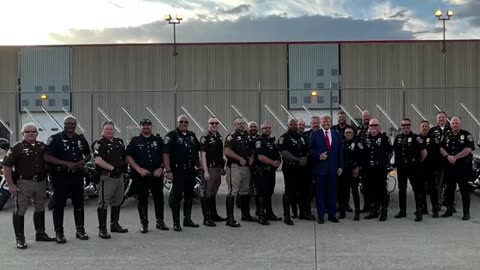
<point x="327" y="139"/>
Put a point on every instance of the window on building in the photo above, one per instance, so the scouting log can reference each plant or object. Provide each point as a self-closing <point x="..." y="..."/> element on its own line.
<point x="65" y="102"/>
<point x="65" y="88"/>
<point x="307" y="86"/>
<point x="51" y="102"/>
<point x="321" y="85"/>
<point x="320" y="99"/>
<point x="307" y="100"/>
<point x="25" y="103"/>
<point x="334" y="85"/>
<point x="51" y="88"/>
<point x="334" y="72"/>
<point x="319" y="72"/>
<point x="38" y="88"/>
<point x="38" y="102"/>
<point x="334" y="99"/>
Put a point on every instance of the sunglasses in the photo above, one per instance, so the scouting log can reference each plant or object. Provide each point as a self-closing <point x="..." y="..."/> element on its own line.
<point x="214" y="123"/>
<point x="241" y="123"/>
<point x="183" y="122"/>
<point x="69" y="124"/>
<point x="374" y="125"/>
<point x="29" y="131"/>
<point x="266" y="128"/>
<point x="405" y="125"/>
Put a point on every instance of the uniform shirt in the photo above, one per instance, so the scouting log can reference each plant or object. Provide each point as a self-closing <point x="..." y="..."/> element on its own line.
<point x="350" y="154"/>
<point x="455" y="144"/>
<point x="27" y="159"/>
<point x="341" y="130"/>
<point x="240" y="144"/>
<point x="431" y="147"/>
<point x="408" y="149"/>
<point x="375" y="150"/>
<point x="306" y="136"/>
<point x="362" y="132"/>
<point x="294" y="143"/>
<point x="212" y="145"/>
<point x="253" y="139"/>
<point x="146" y="151"/>
<point x="112" y="152"/>
<point x="182" y="148"/>
<point x="438" y="135"/>
<point x="72" y="149"/>
<point x="266" y="146"/>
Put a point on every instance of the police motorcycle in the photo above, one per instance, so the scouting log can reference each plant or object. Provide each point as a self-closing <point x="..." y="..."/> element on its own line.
<point x="475" y="183"/>
<point x="197" y="188"/>
<point x="4" y="192"/>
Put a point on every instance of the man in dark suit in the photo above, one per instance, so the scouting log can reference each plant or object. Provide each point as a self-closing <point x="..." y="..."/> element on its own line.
<point x="326" y="151"/>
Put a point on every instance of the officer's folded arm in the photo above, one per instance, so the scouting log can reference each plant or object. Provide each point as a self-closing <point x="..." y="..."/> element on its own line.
<point x="229" y="153"/>
<point x="103" y="164"/>
<point x="55" y="161"/>
<point x="266" y="160"/>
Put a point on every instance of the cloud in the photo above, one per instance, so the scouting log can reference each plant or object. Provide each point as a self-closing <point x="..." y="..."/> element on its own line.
<point x="246" y="29"/>
<point x="236" y="10"/>
<point x="400" y="14"/>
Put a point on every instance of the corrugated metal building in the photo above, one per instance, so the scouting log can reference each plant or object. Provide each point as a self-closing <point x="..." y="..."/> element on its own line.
<point x="249" y="76"/>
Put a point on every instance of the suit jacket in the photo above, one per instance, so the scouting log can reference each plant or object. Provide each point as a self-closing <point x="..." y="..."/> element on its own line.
<point x="318" y="145"/>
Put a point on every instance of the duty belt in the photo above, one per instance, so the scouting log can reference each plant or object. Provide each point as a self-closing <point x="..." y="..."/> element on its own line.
<point x="374" y="163"/>
<point x="109" y="174"/>
<point x="35" y="178"/>
<point x="214" y="165"/>
<point x="183" y="166"/>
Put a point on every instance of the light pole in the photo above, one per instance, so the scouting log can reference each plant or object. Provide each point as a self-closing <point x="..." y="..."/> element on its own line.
<point x="178" y="18"/>
<point x="438" y="14"/>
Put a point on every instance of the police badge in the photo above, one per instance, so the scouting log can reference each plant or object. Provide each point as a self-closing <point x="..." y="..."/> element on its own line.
<point x="154" y="143"/>
<point x="280" y="140"/>
<point x="409" y="140"/>
<point x="462" y="137"/>
<point x="258" y="144"/>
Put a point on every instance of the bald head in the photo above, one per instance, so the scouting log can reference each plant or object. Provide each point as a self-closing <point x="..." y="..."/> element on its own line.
<point x="292" y="125"/>
<point x="456" y="124"/>
<point x="366" y="117"/>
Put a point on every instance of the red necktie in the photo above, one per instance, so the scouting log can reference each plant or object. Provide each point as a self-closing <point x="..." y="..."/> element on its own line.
<point x="327" y="139"/>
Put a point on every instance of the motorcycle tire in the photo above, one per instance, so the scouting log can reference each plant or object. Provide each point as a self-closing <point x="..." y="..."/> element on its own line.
<point x="4" y="197"/>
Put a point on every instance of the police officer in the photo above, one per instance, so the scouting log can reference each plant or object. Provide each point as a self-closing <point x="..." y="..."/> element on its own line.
<point x="376" y="152"/>
<point x="362" y="133"/>
<point x="409" y="151"/>
<point x="252" y="130"/>
<point x="426" y="169"/>
<point x="67" y="152"/>
<point x="180" y="156"/>
<point x="145" y="157"/>
<point x="239" y="152"/>
<point x="308" y="190"/>
<point x="457" y="148"/>
<point x="110" y="159"/>
<point x="294" y="152"/>
<point x="342" y="125"/>
<point x="211" y="156"/>
<point x="29" y="183"/>
<point x="293" y="201"/>
<point x="348" y="180"/>
<point x="267" y="160"/>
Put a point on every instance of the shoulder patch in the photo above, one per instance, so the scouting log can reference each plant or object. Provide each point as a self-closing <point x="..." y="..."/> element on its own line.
<point x="96" y="146"/>
<point x="258" y="144"/>
<point x="229" y="138"/>
<point x="8" y="153"/>
<point x="470" y="138"/>
<point x="280" y="140"/>
<point x="419" y="140"/>
<point x="203" y="140"/>
<point x="167" y="140"/>
<point x="50" y="139"/>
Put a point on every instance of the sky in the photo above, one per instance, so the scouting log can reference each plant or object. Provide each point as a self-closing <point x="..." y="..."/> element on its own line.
<point x="40" y="22"/>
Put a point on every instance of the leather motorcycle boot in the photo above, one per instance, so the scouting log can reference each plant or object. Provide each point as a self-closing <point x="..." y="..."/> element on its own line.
<point x="238" y="201"/>
<point x="419" y="207"/>
<point x="435" y="212"/>
<point x="143" y="214"/>
<point x="39" y="224"/>
<point x="448" y="213"/>
<point x="114" y="218"/>
<point x="58" y="224"/>
<point x="161" y="225"/>
<point x="257" y="210"/>
<point x="187" y="214"/>
<point x="229" y="203"/>
<point x="466" y="206"/>
<point x="212" y="205"/>
<point x="383" y="214"/>
<point x="356" y="217"/>
<point x="373" y="212"/>
<point x="102" y="224"/>
<point x="79" y="216"/>
<point x="341" y="213"/>
<point x="207" y="220"/>
<point x="18" y="227"/>
<point x="294" y="204"/>
<point x="286" y="210"/>
<point x="245" y="208"/>
<point x="175" y="206"/>
<point x="261" y="211"/>
<point x="269" y="210"/>
<point x="401" y="214"/>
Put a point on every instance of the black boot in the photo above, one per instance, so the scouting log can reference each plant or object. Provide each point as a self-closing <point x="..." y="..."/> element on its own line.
<point x="262" y="219"/>
<point x="401" y="214"/>
<point x="229" y="202"/>
<point x="448" y="213"/>
<point x="383" y="214"/>
<point x="39" y="223"/>
<point x="175" y="206"/>
<point x="212" y="205"/>
<point x="207" y="220"/>
<point x="143" y="214"/>
<point x="58" y="224"/>
<point x="245" y="207"/>
<point x="187" y="214"/>
<point x="466" y="206"/>
<point x="435" y="212"/>
<point x="269" y="210"/>
<point x="114" y="218"/>
<point x="419" y="202"/>
<point x="102" y="224"/>
<point x="238" y="201"/>
<point x="373" y="212"/>
<point x="356" y="217"/>
<point x="161" y="225"/>
<point x="257" y="209"/>
<point x="341" y="213"/>
<point x="79" y="216"/>
<point x="286" y="210"/>
<point x="18" y="227"/>
<point x="294" y="206"/>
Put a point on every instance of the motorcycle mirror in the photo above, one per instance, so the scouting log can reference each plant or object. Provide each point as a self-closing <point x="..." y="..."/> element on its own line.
<point x="4" y="144"/>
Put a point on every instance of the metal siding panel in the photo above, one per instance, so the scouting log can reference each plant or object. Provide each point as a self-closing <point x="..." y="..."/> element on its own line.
<point x="304" y="61"/>
<point x="8" y="89"/>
